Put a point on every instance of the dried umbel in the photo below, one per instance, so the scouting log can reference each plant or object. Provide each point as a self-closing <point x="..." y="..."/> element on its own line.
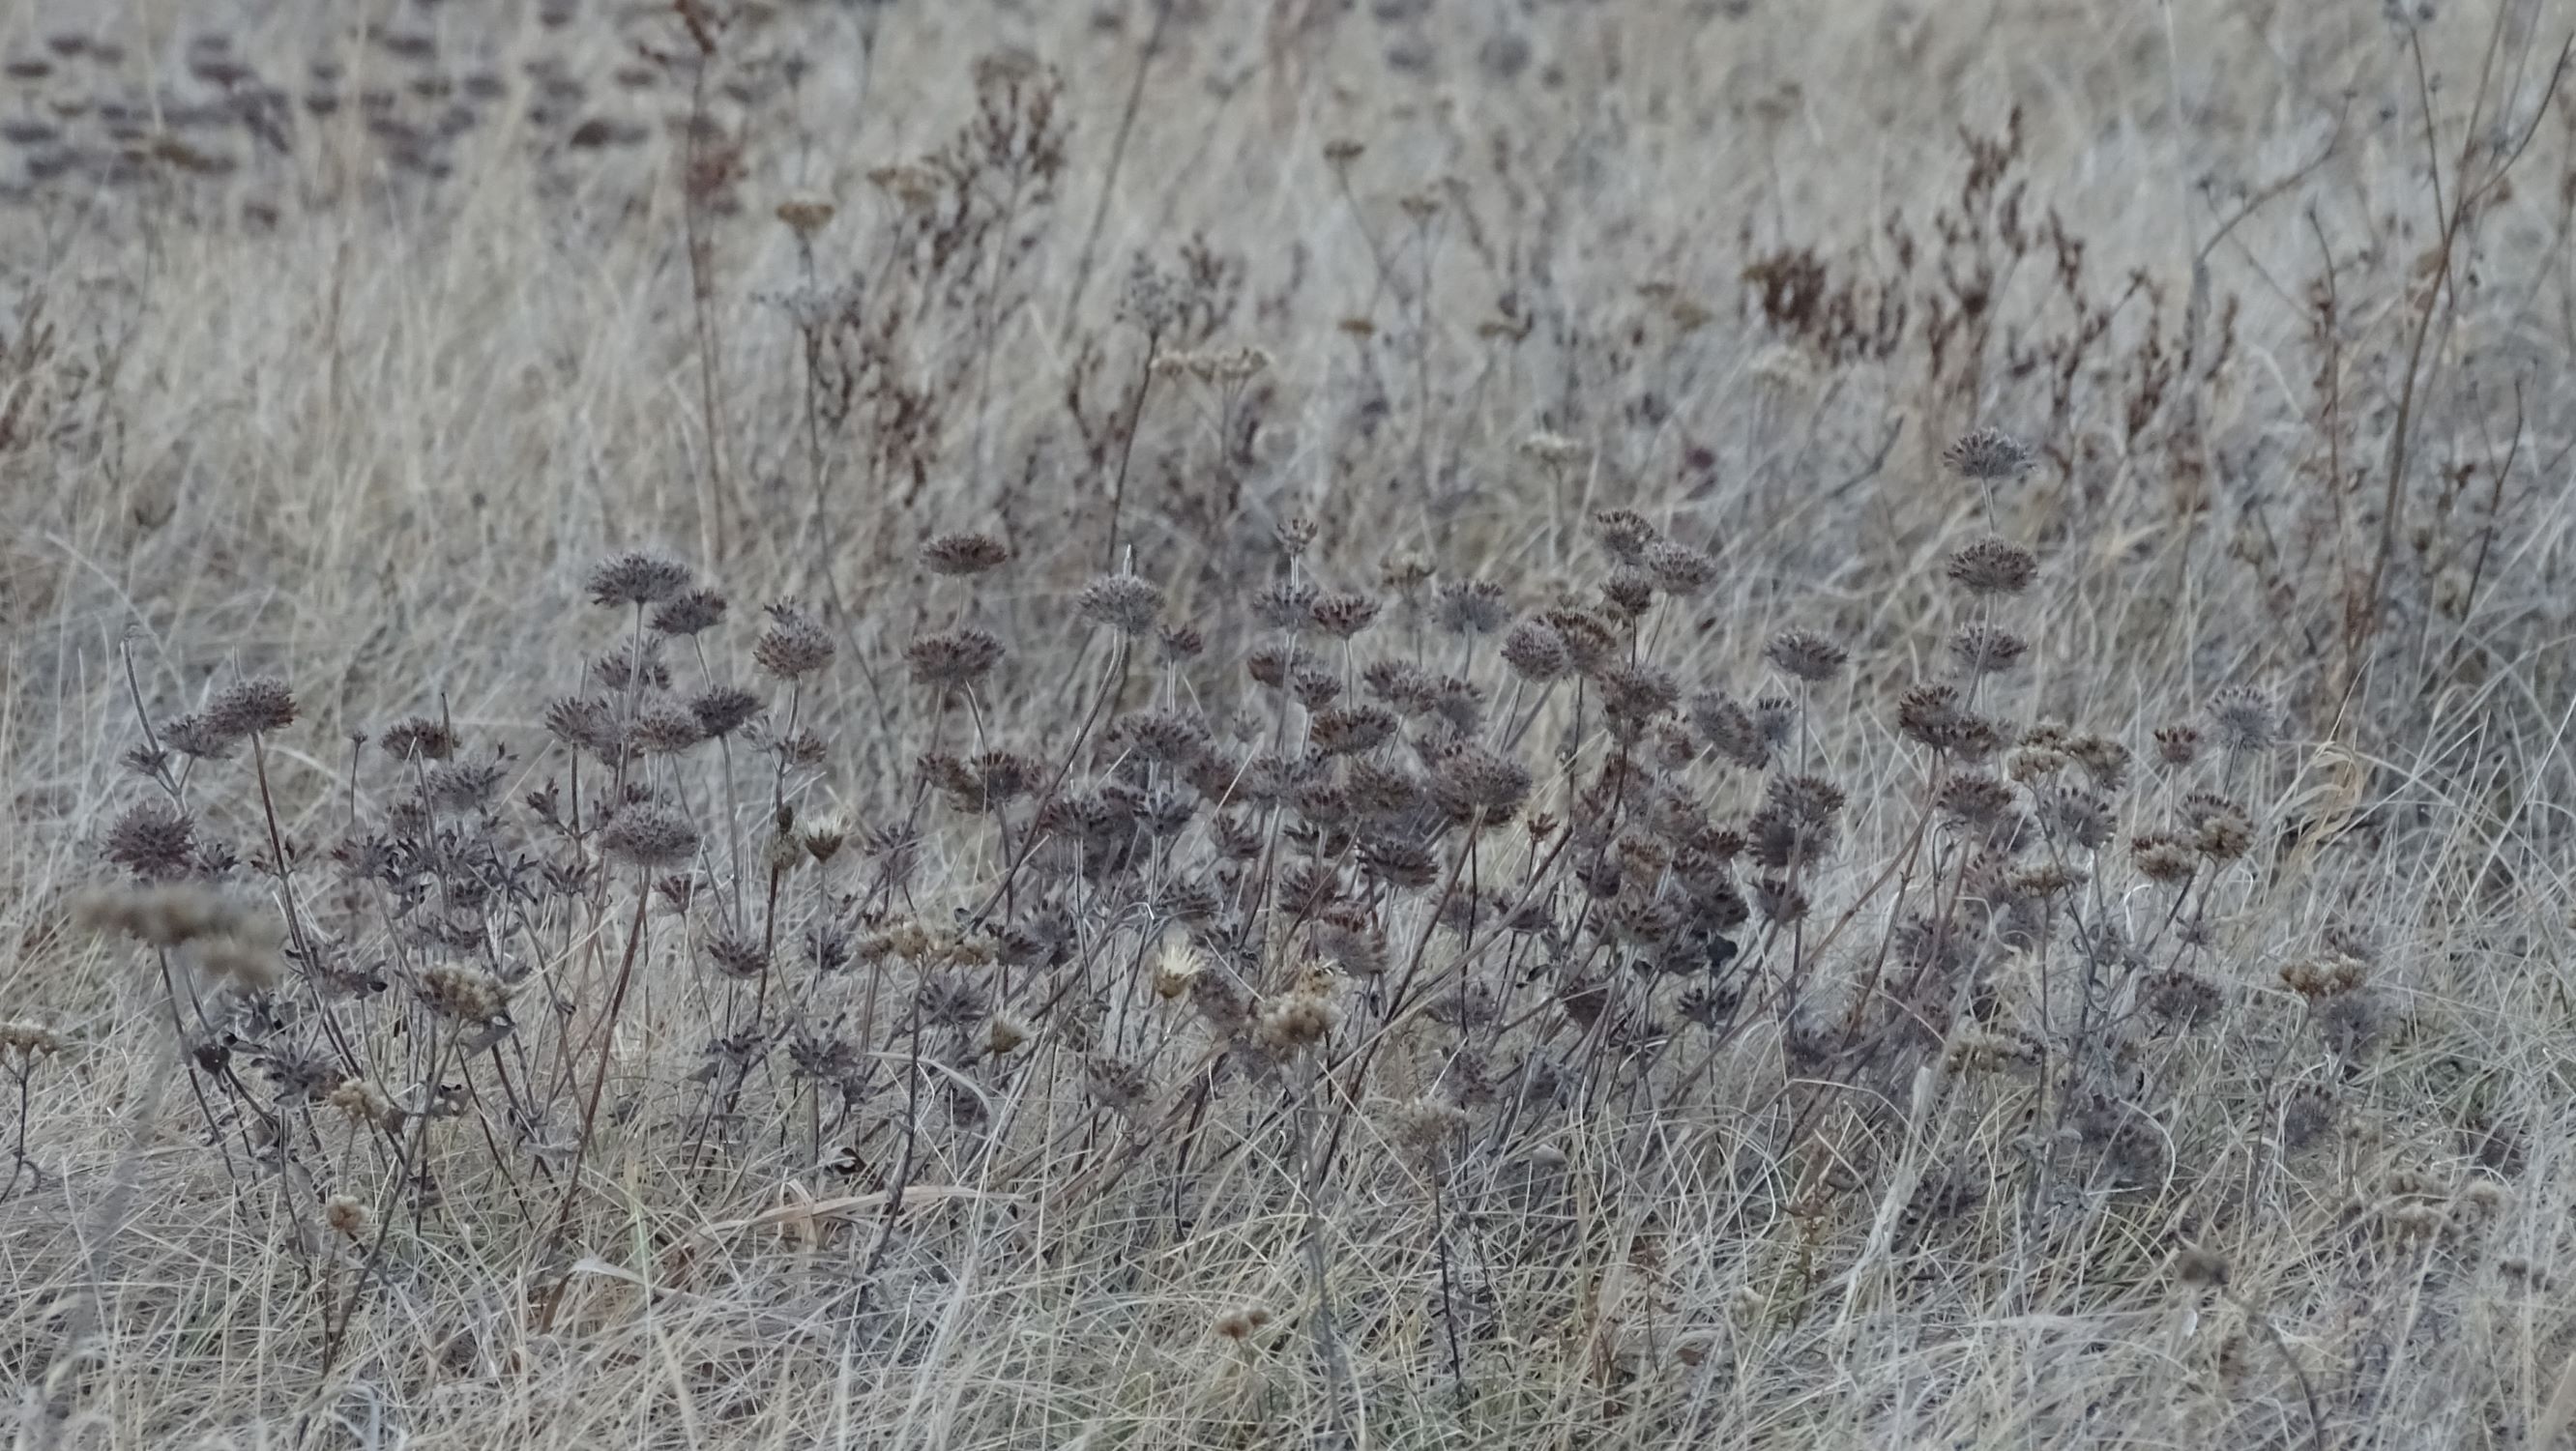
<point x="794" y="644"/>
<point x="1626" y="534"/>
<point x="1470" y="607"/>
<point x="1937" y="716"/>
<point x="1536" y="652"/>
<point x="2246" y="718"/>
<point x="1806" y="655"/>
<point x="1989" y="567"/>
<point x="962" y="555"/>
<point x="1730" y="730"/>
<point x="637" y="577"/>
<point x="1986" y="649"/>
<point x="723" y="709"/>
<point x="251" y="707"/>
<point x="1344" y="616"/>
<point x="155" y="840"/>
<point x="651" y="835"/>
<point x="693" y="612"/>
<point x="1679" y="570"/>
<point x="953" y="659"/>
<point x="2220" y="828"/>
<point x="1474" y="783"/>
<point x="1987" y="455"/>
<point x="418" y="739"/>
<point x="1121" y="602"/>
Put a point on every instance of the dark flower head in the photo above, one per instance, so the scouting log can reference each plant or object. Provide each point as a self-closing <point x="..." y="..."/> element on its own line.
<point x="1472" y="782"/>
<point x="1987" y="649"/>
<point x="1344" y="615"/>
<point x="195" y="736"/>
<point x="723" y="709"/>
<point x="1287" y="604"/>
<point x="249" y="707"/>
<point x="586" y="723"/>
<point x="2246" y="718"/>
<point x="650" y="835"/>
<point x="695" y="612"/>
<point x="1536" y="652"/>
<point x="1626" y="534"/>
<point x="153" y="839"/>
<point x="1679" y="570"/>
<point x="637" y="578"/>
<point x="1987" y="454"/>
<point x="795" y="644"/>
<point x="1993" y="567"/>
<point x="419" y="738"/>
<point x="1806" y="655"/>
<point x="665" y="728"/>
<point x="953" y="658"/>
<point x="1469" y="607"/>
<point x="1121" y="602"/>
<point x="964" y="554"/>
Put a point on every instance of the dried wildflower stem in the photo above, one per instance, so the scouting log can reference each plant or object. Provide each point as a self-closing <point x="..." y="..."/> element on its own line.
<point x="1085" y="257"/>
<point x="606" y="1033"/>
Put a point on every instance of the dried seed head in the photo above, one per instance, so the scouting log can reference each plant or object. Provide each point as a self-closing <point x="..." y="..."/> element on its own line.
<point x="651" y="835"/>
<point x="1121" y="602"/>
<point x="1730" y="729"/>
<point x="419" y="738"/>
<point x="1403" y="571"/>
<point x="154" y="840"/>
<point x="1472" y="782"/>
<point x="738" y="955"/>
<point x="1291" y="1024"/>
<point x="1344" y="616"/>
<point x="1626" y="534"/>
<point x="805" y="215"/>
<point x="459" y="786"/>
<point x="794" y="644"/>
<point x="196" y="737"/>
<point x="953" y="659"/>
<point x="693" y="612"/>
<point x="2200" y="1268"/>
<point x="1987" y="454"/>
<point x="1182" y="642"/>
<point x="1536" y="652"/>
<point x="1242" y="1325"/>
<point x="249" y="707"/>
<point x="1993" y="566"/>
<point x="1553" y="449"/>
<point x="1627" y="593"/>
<point x="1116" y="1084"/>
<point x="2220" y="828"/>
<point x="723" y="709"/>
<point x="1004" y="1035"/>
<point x="2163" y="857"/>
<point x="1175" y="968"/>
<point x="362" y="1101"/>
<point x="1590" y="643"/>
<point x="960" y="555"/>
<point x="1937" y="716"/>
<point x="1469" y="607"/>
<point x="1974" y="798"/>
<point x="2179" y="744"/>
<point x="587" y="723"/>
<point x="637" y="578"/>
<point x="1296" y="535"/>
<point x="1806" y="655"/>
<point x="633" y="665"/>
<point x="665" y="728"/>
<point x="1987" y="649"/>
<point x="1679" y="570"/>
<point x="2246" y="718"/>
<point x="466" y="994"/>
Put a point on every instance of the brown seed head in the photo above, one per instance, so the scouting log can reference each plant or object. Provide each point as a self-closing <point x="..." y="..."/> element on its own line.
<point x="637" y="578"/>
<point x="794" y="644"/>
<point x="1993" y="567"/>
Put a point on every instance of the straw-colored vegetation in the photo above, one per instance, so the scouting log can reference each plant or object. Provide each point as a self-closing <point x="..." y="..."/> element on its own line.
<point x="1201" y="724"/>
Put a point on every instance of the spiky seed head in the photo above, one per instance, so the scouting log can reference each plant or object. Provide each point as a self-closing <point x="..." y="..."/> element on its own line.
<point x="1344" y="616"/>
<point x="953" y="659"/>
<point x="586" y="723"/>
<point x="1121" y="602"/>
<point x="794" y="644"/>
<point x="1990" y="566"/>
<point x="665" y="728"/>
<point x="1628" y="593"/>
<point x="805" y="216"/>
<point x="1987" y="454"/>
<point x="692" y="612"/>
<point x="154" y="840"/>
<point x="2178" y="744"/>
<point x="1469" y="607"/>
<point x="1176" y="967"/>
<point x="1536" y="652"/>
<point x="2246" y="718"/>
<point x="1806" y="655"/>
<point x="723" y="709"/>
<point x="2164" y="858"/>
<point x="651" y="835"/>
<point x="1986" y="649"/>
<point x="1296" y="535"/>
<point x="1626" y="534"/>
<point x="637" y="577"/>
<point x="418" y="738"/>
<point x="250" y="707"/>
<point x="1590" y="642"/>
<point x="196" y="737"/>
<point x="961" y="555"/>
<point x="1474" y="782"/>
<point x="1182" y="642"/>
<point x="1679" y="570"/>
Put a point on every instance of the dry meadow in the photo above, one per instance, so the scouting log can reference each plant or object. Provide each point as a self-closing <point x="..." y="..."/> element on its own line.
<point x="1184" y="723"/>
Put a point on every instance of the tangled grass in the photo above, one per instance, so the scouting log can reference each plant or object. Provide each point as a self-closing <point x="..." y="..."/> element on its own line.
<point x="1176" y="725"/>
